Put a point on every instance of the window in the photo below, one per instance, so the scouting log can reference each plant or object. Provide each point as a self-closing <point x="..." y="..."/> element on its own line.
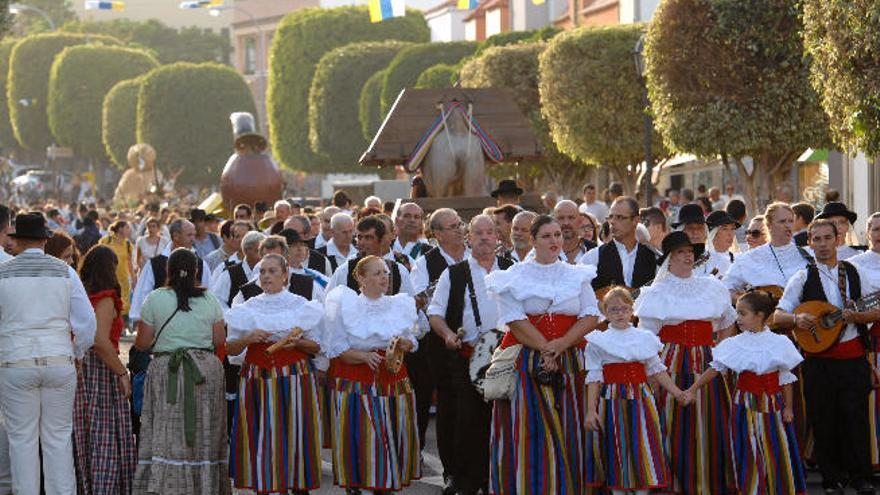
<point x="250" y="55"/>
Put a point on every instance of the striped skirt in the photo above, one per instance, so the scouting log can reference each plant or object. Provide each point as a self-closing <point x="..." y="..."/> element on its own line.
<point x="166" y="464"/>
<point x="632" y="449"/>
<point x="104" y="445"/>
<point x="375" y="438"/>
<point x="873" y="402"/>
<point x="765" y="451"/>
<point x="538" y="439"/>
<point x="696" y="436"/>
<point x="276" y="432"/>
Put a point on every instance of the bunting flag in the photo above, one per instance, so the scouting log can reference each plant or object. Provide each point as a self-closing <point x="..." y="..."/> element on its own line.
<point x="468" y="4"/>
<point x="381" y="10"/>
<point x="104" y="5"/>
<point x="492" y="151"/>
<point x="538" y="2"/>
<point x="200" y="4"/>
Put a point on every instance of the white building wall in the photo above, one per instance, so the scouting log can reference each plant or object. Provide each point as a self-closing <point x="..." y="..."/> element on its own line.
<point x="470" y="30"/>
<point x="637" y="10"/>
<point x="447" y="25"/>
<point x="493" y="22"/>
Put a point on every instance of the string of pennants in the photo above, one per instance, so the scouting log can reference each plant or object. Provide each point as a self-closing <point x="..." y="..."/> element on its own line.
<point x="382" y="10"/>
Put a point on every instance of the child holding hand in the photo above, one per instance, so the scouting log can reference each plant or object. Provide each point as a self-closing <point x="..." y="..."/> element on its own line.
<point x="765" y="451"/>
<point x="620" y="403"/>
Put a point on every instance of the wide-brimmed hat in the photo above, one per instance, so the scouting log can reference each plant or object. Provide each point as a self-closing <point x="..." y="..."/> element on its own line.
<point x="688" y="214"/>
<point x="507" y="186"/>
<point x="676" y="240"/>
<point x="31" y="226"/>
<point x="292" y="237"/>
<point x="719" y="218"/>
<point x="838" y="209"/>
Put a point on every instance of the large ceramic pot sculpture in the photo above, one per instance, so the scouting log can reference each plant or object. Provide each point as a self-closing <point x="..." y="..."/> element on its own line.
<point x="250" y="175"/>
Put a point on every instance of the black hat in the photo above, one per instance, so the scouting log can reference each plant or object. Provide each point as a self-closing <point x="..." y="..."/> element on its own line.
<point x="676" y="240"/>
<point x="292" y="237"/>
<point x="719" y="218"/>
<point x="197" y="215"/>
<point x="688" y="214"/>
<point x="837" y="209"/>
<point x="507" y="186"/>
<point x="31" y="226"/>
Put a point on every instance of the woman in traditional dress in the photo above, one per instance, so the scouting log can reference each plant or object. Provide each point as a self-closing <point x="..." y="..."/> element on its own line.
<point x="182" y="444"/>
<point x="765" y="451"/>
<point x="689" y="312"/>
<point x="151" y="244"/>
<point x="103" y="440"/>
<point x="118" y="241"/>
<point x="276" y="432"/>
<point x="538" y="438"/>
<point x="375" y="439"/>
<point x="620" y="403"/>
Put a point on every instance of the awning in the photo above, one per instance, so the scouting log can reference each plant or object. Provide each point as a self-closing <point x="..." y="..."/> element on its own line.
<point x="212" y="204"/>
<point x="811" y="155"/>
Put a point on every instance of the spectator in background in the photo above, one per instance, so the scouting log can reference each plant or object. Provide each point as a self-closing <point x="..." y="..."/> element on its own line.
<point x="591" y="205"/>
<point x="326" y="230"/>
<point x="521" y="235"/>
<point x="205" y="241"/>
<point x="701" y="191"/>
<point x="589" y="230"/>
<point x="63" y="247"/>
<point x="832" y="195"/>
<point x="716" y="199"/>
<point x="507" y="193"/>
<point x="615" y="190"/>
<point x="674" y="197"/>
<point x="706" y="204"/>
<point x="295" y="207"/>
<point x="783" y="194"/>
<point x="118" y="241"/>
<point x="54" y="219"/>
<point x="503" y="219"/>
<point x="5" y="224"/>
<point x="373" y="202"/>
<point x="282" y="210"/>
<point x="232" y="232"/>
<point x="687" y="196"/>
<point x="655" y="221"/>
<point x="736" y="208"/>
<point x="152" y="244"/>
<point x="549" y="200"/>
<point x="803" y="215"/>
<point x="730" y="194"/>
<point x="342" y="201"/>
<point x="90" y="233"/>
<point x="244" y="213"/>
<point x="388" y="208"/>
<point x="756" y="234"/>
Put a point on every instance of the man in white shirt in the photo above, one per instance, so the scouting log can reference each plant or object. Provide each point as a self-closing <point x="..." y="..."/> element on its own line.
<point x="231" y="233"/>
<point x="42" y="301"/>
<point x="408" y="219"/>
<point x="371" y="231"/>
<point x="339" y="249"/>
<point x="596" y="208"/>
<point x="226" y="282"/>
<point x="521" y="235"/>
<point x="5" y="219"/>
<point x="566" y="214"/>
<point x="5" y="474"/>
<point x="326" y="230"/>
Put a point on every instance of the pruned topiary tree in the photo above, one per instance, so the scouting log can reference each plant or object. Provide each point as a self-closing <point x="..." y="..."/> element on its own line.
<point x="334" y="127"/>
<point x="842" y="39"/>
<point x="80" y="79"/>
<point x="437" y="76"/>
<point x="729" y="77"/>
<point x="593" y="101"/>
<point x="408" y="65"/>
<point x="27" y="87"/>
<point x="183" y="112"/>
<point x="370" y="105"/>
<point x="7" y="137"/>
<point x="119" y="120"/>
<point x="302" y="38"/>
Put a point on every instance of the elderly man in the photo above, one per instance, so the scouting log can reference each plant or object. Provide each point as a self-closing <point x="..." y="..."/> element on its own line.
<point x="339" y="248"/>
<point x="373" y="202"/>
<point x="521" y="235"/>
<point x="371" y="232"/>
<point x="153" y="274"/>
<point x="41" y="302"/>
<point x="566" y="213"/>
<point x="232" y="233"/>
<point x="227" y="281"/>
<point x="409" y="220"/>
<point x="326" y="231"/>
<point x="461" y="301"/>
<point x="303" y="227"/>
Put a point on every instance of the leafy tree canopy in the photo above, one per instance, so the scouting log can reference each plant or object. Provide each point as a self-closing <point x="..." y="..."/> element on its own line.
<point x="119" y="120"/>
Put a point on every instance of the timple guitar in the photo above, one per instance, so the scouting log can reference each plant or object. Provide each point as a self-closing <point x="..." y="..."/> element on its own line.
<point x="829" y="322"/>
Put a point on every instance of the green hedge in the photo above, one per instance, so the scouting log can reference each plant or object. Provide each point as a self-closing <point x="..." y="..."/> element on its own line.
<point x="437" y="76"/>
<point x="119" y="120"/>
<point x="334" y="127"/>
<point x="7" y="137"/>
<point x="29" y="68"/>
<point x="183" y="112"/>
<point x="592" y="98"/>
<point x="370" y="105"/>
<point x="302" y="38"/>
<point x="407" y="66"/>
<point x="516" y="37"/>
<point x="80" y="79"/>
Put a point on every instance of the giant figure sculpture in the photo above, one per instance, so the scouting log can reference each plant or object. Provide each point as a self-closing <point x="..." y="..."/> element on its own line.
<point x="140" y="177"/>
<point x="455" y="164"/>
<point x="250" y="175"/>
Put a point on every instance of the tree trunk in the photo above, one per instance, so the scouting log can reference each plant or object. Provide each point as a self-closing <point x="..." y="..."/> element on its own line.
<point x="628" y="178"/>
<point x="770" y="170"/>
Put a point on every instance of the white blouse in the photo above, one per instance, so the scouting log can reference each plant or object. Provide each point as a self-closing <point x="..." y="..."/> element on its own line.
<point x="354" y="321"/>
<point x="759" y="352"/>
<point x="535" y="288"/>
<point x="764" y="265"/>
<point x="672" y="300"/>
<point x="868" y="264"/>
<point x="276" y="314"/>
<point x="622" y="346"/>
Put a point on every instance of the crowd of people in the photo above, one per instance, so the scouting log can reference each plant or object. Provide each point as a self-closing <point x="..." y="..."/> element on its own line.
<point x="596" y="346"/>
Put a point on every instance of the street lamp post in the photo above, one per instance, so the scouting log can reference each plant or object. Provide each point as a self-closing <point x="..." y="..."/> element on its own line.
<point x="638" y="56"/>
<point x="17" y="8"/>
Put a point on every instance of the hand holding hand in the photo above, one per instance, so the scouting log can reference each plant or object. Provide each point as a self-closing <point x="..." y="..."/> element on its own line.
<point x="548" y="363"/>
<point x="685" y="397"/>
<point x="554" y="348"/>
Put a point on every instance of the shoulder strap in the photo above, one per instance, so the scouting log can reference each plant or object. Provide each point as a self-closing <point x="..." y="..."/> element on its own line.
<point x="472" y="294"/>
<point x="806" y="256"/>
<point x="158" y="334"/>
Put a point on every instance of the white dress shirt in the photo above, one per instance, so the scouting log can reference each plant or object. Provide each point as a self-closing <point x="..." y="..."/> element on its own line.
<point x="488" y="309"/>
<point x="420" y="278"/>
<point x="221" y="282"/>
<point x="340" y="277"/>
<point x="868" y="264"/>
<point x="4" y="256"/>
<point x="597" y="208"/>
<point x="765" y="265"/>
<point x="146" y="282"/>
<point x="627" y="259"/>
<point x="340" y="258"/>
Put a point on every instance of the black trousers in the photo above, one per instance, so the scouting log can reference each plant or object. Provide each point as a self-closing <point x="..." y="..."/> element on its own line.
<point x="423" y="380"/>
<point x="836" y="392"/>
<point x="231" y="373"/>
<point x="469" y="418"/>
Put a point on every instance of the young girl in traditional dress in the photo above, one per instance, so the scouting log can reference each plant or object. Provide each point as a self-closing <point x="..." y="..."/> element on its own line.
<point x="618" y="363"/>
<point x="765" y="450"/>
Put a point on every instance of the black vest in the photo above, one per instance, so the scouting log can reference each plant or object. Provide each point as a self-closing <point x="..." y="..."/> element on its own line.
<point x="459" y="274"/>
<point x="610" y="267"/>
<point x="323" y="251"/>
<point x="800" y="239"/>
<point x="436" y="263"/>
<point x="392" y="265"/>
<point x="237" y="278"/>
<point x="159" y="265"/>
<point x="301" y="285"/>
<point x="318" y="262"/>
<point x="813" y="290"/>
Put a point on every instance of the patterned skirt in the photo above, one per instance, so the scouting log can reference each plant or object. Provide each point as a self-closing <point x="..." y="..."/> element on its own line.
<point x="104" y="444"/>
<point x="631" y="445"/>
<point x="167" y="465"/>
<point x="276" y="433"/>
<point x="765" y="451"/>
<point x="538" y="438"/>
<point x="375" y="438"/>
<point x="696" y="436"/>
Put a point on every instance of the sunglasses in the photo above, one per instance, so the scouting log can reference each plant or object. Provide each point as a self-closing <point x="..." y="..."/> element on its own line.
<point x="754" y="233"/>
